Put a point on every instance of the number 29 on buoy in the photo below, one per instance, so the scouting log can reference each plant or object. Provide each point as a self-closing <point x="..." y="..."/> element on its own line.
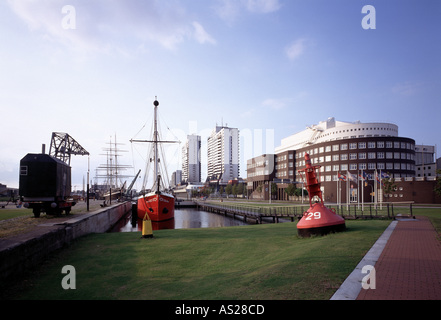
<point x="316" y="215"/>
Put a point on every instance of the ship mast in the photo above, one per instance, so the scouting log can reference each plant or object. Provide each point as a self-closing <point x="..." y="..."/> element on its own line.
<point x="155" y="145"/>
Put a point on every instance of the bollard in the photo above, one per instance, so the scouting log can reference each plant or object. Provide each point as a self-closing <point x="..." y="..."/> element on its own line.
<point x="147" y="230"/>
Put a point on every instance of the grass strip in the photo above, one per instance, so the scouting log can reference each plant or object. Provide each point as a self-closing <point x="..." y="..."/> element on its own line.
<point x="259" y="262"/>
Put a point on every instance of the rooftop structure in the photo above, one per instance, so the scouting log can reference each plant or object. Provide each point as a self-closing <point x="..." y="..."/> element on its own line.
<point x="332" y="129"/>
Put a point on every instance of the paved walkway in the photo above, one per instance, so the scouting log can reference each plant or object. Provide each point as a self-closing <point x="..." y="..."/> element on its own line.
<point x="409" y="267"/>
<point x="407" y="262"/>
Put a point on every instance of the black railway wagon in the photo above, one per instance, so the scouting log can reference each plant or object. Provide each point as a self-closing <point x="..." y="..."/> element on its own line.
<point x="45" y="184"/>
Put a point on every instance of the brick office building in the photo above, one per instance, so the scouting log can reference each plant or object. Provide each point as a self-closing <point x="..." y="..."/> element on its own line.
<point x="344" y="149"/>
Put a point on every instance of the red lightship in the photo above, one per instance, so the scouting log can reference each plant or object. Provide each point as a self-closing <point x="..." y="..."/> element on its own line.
<point x="157" y="202"/>
<point x="318" y="219"/>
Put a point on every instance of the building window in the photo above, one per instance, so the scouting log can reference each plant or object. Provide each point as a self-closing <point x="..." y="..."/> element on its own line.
<point x="371" y="145"/>
<point x="335" y="157"/>
<point x="380" y="155"/>
<point x="336" y="167"/>
<point x="362" y="145"/>
<point x="380" y="166"/>
<point x="380" y="144"/>
<point x="362" y="166"/>
<point x="389" y="166"/>
<point x="335" y="147"/>
<point x="344" y="156"/>
<point x="352" y="156"/>
<point x="353" y="146"/>
<point x="344" y="146"/>
<point x="371" y="155"/>
<point x="23" y="170"/>
<point x="328" y="149"/>
<point x="362" y="155"/>
<point x="344" y="167"/>
<point x="389" y="144"/>
<point x="389" y="155"/>
<point x="353" y="166"/>
<point x="371" y="166"/>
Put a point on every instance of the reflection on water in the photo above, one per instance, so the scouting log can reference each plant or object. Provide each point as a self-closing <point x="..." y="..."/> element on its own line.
<point x="184" y="219"/>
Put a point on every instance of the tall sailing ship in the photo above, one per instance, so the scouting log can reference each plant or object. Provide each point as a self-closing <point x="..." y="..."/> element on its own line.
<point x="157" y="202"/>
<point x="110" y="180"/>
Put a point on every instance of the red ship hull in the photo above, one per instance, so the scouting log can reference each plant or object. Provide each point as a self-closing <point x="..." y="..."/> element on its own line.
<point x="160" y="207"/>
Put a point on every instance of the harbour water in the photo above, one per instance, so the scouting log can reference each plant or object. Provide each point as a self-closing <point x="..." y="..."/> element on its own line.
<point x="187" y="218"/>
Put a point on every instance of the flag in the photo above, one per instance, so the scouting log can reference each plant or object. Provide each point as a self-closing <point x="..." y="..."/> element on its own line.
<point x="341" y="177"/>
<point x="384" y="175"/>
<point x="378" y="178"/>
<point x="352" y="177"/>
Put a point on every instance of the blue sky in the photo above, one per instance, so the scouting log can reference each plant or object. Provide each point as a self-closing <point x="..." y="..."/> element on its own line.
<point x="267" y="67"/>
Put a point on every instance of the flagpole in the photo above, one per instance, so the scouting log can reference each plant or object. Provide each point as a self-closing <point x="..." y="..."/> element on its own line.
<point x="362" y="191"/>
<point x="338" y="189"/>
<point x="358" y="189"/>
<point x="381" y="189"/>
<point x="375" y="188"/>
<point x="347" y="190"/>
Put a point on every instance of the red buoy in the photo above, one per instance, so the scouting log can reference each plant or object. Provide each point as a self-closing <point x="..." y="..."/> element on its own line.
<point x="318" y="219"/>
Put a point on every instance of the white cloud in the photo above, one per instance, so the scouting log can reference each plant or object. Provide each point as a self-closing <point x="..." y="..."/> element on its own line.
<point x="281" y="103"/>
<point x="110" y="25"/>
<point x="406" y="88"/>
<point x="296" y="49"/>
<point x="229" y="10"/>
<point x="263" y="6"/>
<point x="275" y="104"/>
<point x="201" y="35"/>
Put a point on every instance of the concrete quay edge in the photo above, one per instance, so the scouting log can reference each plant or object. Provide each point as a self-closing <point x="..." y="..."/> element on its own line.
<point x="25" y="251"/>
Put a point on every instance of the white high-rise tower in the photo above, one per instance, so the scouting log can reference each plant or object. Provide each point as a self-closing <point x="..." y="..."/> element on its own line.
<point x="223" y="154"/>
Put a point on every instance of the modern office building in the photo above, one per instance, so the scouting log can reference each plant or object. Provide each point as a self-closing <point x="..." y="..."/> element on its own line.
<point x="260" y="173"/>
<point x="191" y="159"/>
<point x="176" y="178"/>
<point x="344" y="149"/>
<point x="425" y="164"/>
<point x="223" y="154"/>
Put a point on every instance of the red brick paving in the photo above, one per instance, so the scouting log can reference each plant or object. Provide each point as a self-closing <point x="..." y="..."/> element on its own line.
<point x="409" y="268"/>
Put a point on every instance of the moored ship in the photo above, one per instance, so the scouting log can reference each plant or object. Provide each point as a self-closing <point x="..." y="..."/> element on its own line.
<point x="158" y="203"/>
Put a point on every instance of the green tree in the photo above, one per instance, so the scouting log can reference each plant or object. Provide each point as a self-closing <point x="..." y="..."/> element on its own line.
<point x="437" y="189"/>
<point x="298" y="192"/>
<point x="240" y="188"/>
<point x="290" y="190"/>
<point x="389" y="185"/>
<point x="273" y="189"/>
<point x="234" y="190"/>
<point x="229" y="189"/>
